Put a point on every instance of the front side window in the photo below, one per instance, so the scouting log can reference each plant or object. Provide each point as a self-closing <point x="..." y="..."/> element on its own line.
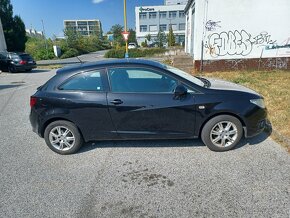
<point x="88" y="81"/>
<point x="140" y="80"/>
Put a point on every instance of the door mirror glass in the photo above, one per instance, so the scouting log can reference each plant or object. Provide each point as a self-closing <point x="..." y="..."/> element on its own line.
<point x="180" y="90"/>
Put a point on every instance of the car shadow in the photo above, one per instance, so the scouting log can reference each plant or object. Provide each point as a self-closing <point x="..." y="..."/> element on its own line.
<point x="9" y="86"/>
<point x="174" y="143"/>
<point x="36" y="71"/>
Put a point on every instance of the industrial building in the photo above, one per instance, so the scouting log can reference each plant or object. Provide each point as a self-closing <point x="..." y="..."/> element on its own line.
<point x="241" y="34"/>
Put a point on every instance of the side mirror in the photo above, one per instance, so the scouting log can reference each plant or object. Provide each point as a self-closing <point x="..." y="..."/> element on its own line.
<point x="180" y="90"/>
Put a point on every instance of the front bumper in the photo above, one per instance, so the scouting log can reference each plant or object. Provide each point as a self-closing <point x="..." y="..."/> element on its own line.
<point x="256" y="122"/>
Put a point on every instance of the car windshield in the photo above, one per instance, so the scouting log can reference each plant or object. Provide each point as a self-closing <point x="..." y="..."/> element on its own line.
<point x="185" y="75"/>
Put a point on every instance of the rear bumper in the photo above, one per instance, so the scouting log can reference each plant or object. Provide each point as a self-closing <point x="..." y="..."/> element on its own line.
<point x="25" y="67"/>
<point x="34" y="121"/>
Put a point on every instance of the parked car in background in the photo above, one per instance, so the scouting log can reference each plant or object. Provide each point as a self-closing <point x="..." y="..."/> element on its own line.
<point x="141" y="99"/>
<point x="132" y="45"/>
<point x="15" y="62"/>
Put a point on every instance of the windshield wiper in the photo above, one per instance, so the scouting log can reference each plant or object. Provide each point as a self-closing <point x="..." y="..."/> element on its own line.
<point x="206" y="82"/>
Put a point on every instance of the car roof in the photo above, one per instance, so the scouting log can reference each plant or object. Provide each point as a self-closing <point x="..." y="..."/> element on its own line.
<point x="106" y="63"/>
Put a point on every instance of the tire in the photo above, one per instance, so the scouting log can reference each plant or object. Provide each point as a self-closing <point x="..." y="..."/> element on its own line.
<point x="12" y="69"/>
<point x="63" y="137"/>
<point x="28" y="70"/>
<point x="222" y="133"/>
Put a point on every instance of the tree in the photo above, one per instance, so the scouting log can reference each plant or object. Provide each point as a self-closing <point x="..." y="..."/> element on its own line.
<point x="148" y="37"/>
<point x="13" y="27"/>
<point x="160" y="38"/>
<point x="132" y="36"/>
<point x="117" y="34"/>
<point x="171" y="37"/>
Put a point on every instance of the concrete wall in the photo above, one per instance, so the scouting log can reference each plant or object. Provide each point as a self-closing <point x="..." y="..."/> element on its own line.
<point x="240" y="29"/>
<point x="2" y="39"/>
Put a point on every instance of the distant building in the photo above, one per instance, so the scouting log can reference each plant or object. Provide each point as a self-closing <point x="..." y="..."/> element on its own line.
<point x="240" y="34"/>
<point x="149" y="19"/>
<point x="33" y="33"/>
<point x="84" y="27"/>
<point x="3" y="46"/>
<point x="175" y="2"/>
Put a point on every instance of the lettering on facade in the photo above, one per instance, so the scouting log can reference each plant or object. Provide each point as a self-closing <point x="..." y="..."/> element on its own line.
<point x="141" y="9"/>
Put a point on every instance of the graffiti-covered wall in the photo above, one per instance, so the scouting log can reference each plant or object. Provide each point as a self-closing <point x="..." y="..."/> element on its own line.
<point x="240" y="29"/>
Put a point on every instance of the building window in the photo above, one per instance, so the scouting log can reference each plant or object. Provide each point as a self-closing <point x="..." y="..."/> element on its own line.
<point x="182" y="26"/>
<point x="174" y="27"/>
<point x="143" y="28"/>
<point x="152" y="15"/>
<point x="181" y="14"/>
<point x="143" y="16"/>
<point x="162" y="14"/>
<point x="172" y="14"/>
<point x="163" y="27"/>
<point x="153" y="28"/>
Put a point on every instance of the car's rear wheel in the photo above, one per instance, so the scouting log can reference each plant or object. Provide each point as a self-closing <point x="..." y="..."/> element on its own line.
<point x="12" y="69"/>
<point x="63" y="137"/>
<point x="222" y="133"/>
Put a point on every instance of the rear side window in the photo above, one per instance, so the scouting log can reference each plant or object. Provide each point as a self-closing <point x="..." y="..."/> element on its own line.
<point x="88" y="81"/>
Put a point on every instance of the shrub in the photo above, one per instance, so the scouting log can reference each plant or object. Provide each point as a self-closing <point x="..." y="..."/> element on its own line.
<point x="71" y="52"/>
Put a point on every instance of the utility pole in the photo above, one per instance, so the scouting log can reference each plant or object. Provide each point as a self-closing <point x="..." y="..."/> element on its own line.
<point x="125" y="27"/>
<point x="44" y="39"/>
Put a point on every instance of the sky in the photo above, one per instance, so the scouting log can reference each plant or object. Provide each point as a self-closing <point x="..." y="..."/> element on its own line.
<point x="53" y="12"/>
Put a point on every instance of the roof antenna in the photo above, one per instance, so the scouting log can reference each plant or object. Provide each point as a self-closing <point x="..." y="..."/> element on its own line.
<point x="79" y="60"/>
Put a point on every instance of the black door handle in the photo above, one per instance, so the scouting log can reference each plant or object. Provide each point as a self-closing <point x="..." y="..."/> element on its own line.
<point x="117" y="101"/>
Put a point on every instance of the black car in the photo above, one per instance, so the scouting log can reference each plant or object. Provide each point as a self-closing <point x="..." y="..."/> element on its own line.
<point x="14" y="62"/>
<point x="141" y="99"/>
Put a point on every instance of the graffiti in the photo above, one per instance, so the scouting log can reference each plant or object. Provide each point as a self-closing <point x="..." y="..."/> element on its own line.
<point x="229" y="43"/>
<point x="238" y="43"/>
<point x="263" y="39"/>
<point x="212" y="25"/>
<point x="275" y="63"/>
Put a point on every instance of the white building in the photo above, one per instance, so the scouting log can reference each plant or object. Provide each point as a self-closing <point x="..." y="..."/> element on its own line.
<point x="3" y="46"/>
<point x="34" y="33"/>
<point x="149" y="19"/>
<point x="238" y="34"/>
<point x="84" y="27"/>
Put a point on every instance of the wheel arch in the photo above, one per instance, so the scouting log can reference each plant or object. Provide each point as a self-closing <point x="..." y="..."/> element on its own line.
<point x="49" y="121"/>
<point x="219" y="114"/>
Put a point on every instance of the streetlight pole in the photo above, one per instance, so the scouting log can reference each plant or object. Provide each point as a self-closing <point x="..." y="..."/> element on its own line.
<point x="44" y="39"/>
<point x="125" y="26"/>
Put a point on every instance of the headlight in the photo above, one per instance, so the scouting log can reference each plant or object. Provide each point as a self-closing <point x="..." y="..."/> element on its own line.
<point x="259" y="102"/>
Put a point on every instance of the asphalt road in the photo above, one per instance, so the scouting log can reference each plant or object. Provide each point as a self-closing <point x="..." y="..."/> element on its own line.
<point x="179" y="178"/>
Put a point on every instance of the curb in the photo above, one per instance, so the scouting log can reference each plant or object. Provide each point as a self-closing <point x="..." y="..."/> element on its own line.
<point x="282" y="138"/>
<point x="278" y="135"/>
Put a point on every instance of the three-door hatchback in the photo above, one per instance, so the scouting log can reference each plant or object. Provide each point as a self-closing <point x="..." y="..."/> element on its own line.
<point x="140" y="99"/>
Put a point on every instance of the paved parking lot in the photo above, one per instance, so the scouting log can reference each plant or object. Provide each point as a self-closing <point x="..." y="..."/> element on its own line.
<point x="179" y="178"/>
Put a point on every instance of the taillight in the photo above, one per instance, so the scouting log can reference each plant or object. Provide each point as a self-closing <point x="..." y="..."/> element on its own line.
<point x="22" y="62"/>
<point x="33" y="101"/>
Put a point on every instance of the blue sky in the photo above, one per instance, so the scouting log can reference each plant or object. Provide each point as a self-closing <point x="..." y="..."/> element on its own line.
<point x="53" y="12"/>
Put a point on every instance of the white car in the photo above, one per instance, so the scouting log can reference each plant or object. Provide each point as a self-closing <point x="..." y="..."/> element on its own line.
<point x="132" y="45"/>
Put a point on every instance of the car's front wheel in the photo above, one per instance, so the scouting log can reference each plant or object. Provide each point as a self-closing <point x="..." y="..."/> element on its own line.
<point x="222" y="133"/>
<point x="63" y="137"/>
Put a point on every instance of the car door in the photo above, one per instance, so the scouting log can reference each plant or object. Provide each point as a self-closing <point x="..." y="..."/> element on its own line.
<point x="142" y="104"/>
<point x="82" y="99"/>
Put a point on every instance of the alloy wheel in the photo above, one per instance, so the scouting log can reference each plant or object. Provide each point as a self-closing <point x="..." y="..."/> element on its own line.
<point x="61" y="138"/>
<point x="224" y="134"/>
